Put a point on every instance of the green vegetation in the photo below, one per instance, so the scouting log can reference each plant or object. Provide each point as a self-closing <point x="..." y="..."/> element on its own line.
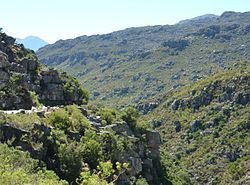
<point x="72" y="147"/>
<point x="35" y="99"/>
<point x="216" y="150"/>
<point x="204" y="125"/>
<point x="17" y="167"/>
<point x="142" y="64"/>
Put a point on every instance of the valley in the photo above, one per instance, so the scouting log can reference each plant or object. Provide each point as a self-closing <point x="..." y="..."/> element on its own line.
<point x="154" y="105"/>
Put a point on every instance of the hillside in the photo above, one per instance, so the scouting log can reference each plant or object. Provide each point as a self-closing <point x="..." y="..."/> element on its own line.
<point x="32" y="42"/>
<point x="205" y="129"/>
<point x="140" y="64"/>
<point x="49" y="134"/>
<point x="25" y="82"/>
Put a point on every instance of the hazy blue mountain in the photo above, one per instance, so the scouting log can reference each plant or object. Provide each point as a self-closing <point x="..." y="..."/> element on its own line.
<point x="32" y="42"/>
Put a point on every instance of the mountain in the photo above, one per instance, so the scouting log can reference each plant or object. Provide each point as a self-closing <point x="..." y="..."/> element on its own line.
<point x="32" y="42"/>
<point x="205" y="129"/>
<point x="49" y="134"/>
<point x="22" y="77"/>
<point x="138" y="65"/>
<point x="199" y="18"/>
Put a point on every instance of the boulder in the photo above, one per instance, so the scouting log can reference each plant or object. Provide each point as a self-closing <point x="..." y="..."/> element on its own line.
<point x="195" y="125"/>
<point x="4" y="63"/>
<point x="17" y="67"/>
<point x="242" y="97"/>
<point x="175" y="104"/>
<point x="4" y="76"/>
<point x="54" y="92"/>
<point x="29" y="64"/>
<point x="50" y="76"/>
<point x="177" y="125"/>
<point x="153" y="139"/>
<point x="84" y="111"/>
<point x="135" y="166"/>
<point x="122" y="127"/>
<point x="10" y="131"/>
<point x="123" y="179"/>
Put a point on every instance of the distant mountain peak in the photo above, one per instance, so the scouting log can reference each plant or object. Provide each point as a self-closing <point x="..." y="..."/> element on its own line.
<point x="32" y="42"/>
<point x="199" y="18"/>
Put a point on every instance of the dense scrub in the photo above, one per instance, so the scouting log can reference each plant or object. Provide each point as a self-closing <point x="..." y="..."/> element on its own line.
<point x="205" y="129"/>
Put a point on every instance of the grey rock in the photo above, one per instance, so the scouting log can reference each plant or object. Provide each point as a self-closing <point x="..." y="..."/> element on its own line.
<point x="84" y="111"/>
<point x="50" y="76"/>
<point x="153" y="139"/>
<point x="29" y="64"/>
<point x="122" y="127"/>
<point x="177" y="125"/>
<point x="4" y="76"/>
<point x="135" y="166"/>
<point x="175" y="104"/>
<point x="4" y="63"/>
<point x="195" y="125"/>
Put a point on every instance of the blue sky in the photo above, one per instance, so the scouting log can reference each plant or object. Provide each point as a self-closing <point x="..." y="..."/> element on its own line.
<point x="61" y="19"/>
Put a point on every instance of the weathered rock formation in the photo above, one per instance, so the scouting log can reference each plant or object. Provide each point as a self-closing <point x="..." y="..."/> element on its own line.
<point x="142" y="154"/>
<point x="235" y="91"/>
<point x="21" y="73"/>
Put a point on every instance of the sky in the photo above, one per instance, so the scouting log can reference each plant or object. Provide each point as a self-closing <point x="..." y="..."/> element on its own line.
<point x="52" y="20"/>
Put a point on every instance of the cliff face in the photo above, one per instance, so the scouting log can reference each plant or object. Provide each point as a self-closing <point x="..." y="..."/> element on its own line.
<point x="22" y="77"/>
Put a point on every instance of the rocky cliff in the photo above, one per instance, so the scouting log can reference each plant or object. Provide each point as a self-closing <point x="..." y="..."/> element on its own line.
<point x="22" y="77"/>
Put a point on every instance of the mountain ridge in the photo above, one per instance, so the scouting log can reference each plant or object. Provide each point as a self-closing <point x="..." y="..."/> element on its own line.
<point x="137" y="64"/>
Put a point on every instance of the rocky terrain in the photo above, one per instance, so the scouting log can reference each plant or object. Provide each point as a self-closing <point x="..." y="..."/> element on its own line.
<point x="42" y="124"/>
<point x="190" y="87"/>
<point x="138" y="65"/>
<point x="205" y="129"/>
<point x="22" y="78"/>
<point x="120" y="141"/>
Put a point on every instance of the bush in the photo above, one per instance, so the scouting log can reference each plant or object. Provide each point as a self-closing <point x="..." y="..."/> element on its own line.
<point x="130" y="115"/>
<point x="60" y="119"/>
<point x="35" y="99"/>
<point x="72" y="86"/>
<point x="91" y="148"/>
<point x="17" y="167"/>
<point x="70" y="161"/>
<point x="109" y="115"/>
<point x="77" y="119"/>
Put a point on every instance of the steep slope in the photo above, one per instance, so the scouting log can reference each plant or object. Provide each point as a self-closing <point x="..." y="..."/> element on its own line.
<point x="32" y="42"/>
<point x="79" y="144"/>
<point x="23" y="80"/>
<point x="139" y="64"/>
<point x="205" y="129"/>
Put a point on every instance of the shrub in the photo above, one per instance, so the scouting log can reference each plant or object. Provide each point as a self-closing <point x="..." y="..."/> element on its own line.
<point x="17" y="167"/>
<point x="91" y="148"/>
<point x="130" y="115"/>
<point x="35" y="99"/>
<point x="77" y="119"/>
<point x="70" y="161"/>
<point x="109" y="115"/>
<point x="60" y="119"/>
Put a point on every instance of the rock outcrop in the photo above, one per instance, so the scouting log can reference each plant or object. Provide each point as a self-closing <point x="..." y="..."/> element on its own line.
<point x="142" y="154"/>
<point x="21" y="73"/>
<point x="235" y="91"/>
